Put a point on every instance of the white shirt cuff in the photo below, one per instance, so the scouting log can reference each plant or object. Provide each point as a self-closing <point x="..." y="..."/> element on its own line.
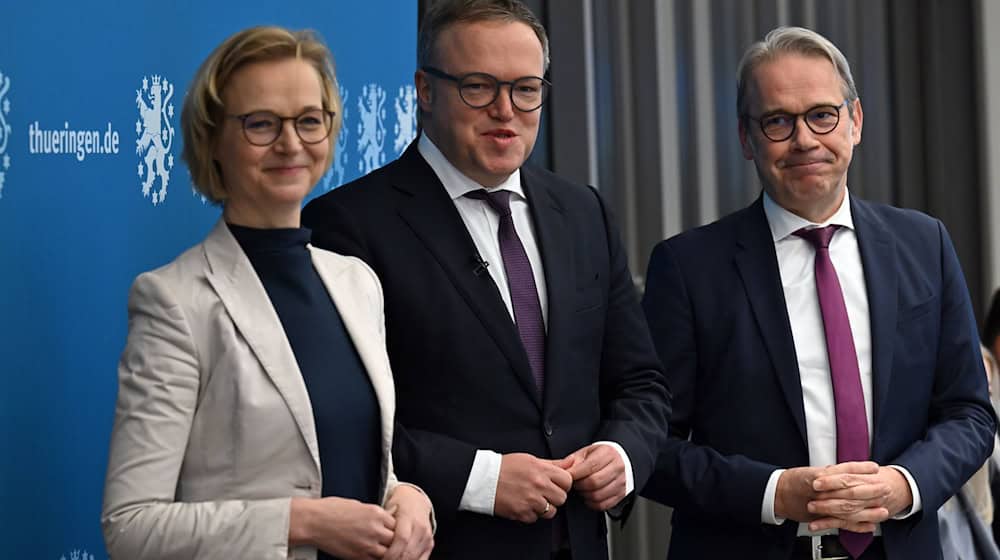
<point x="481" y="488"/>
<point x="914" y="491"/>
<point x="767" y="507"/>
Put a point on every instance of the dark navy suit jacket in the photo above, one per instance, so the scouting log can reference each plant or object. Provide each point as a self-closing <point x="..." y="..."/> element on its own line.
<point x="462" y="376"/>
<point x="716" y="309"/>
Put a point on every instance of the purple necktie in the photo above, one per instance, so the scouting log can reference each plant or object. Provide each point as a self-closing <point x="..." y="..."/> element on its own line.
<point x="520" y="281"/>
<point x="848" y="398"/>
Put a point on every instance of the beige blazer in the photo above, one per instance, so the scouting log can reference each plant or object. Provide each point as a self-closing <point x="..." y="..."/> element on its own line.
<point x="213" y="430"/>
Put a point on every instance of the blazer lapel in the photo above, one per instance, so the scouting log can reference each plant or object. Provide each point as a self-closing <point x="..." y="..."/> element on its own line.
<point x="758" y="267"/>
<point x="430" y="213"/>
<point x="242" y="294"/>
<point x="881" y="279"/>
<point x="355" y="310"/>
<point x="552" y="236"/>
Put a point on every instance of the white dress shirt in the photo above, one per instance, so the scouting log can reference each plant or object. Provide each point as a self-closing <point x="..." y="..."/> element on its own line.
<point x="483" y="222"/>
<point x="796" y="260"/>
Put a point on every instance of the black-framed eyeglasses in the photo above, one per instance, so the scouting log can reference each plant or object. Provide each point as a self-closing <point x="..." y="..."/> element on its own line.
<point x="480" y="89"/>
<point x="263" y="128"/>
<point x="779" y="126"/>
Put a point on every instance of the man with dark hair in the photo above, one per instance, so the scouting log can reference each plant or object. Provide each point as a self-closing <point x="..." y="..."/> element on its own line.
<point x="828" y="390"/>
<point x="530" y="399"/>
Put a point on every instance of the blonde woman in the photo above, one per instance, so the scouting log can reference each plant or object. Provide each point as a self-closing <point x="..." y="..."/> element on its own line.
<point x="255" y="402"/>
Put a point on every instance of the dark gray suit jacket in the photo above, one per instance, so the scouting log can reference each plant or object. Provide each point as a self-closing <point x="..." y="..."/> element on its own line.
<point x="462" y="376"/>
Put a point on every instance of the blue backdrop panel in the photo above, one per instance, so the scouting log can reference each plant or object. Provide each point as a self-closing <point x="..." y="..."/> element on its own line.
<point x="93" y="191"/>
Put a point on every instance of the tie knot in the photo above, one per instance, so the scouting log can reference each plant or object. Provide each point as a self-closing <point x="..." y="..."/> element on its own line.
<point x="819" y="237"/>
<point x="498" y="199"/>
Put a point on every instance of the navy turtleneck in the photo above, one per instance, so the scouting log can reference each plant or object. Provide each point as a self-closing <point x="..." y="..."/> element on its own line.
<point x="344" y="406"/>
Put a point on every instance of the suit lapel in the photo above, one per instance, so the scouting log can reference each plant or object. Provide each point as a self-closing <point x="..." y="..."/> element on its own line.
<point x="430" y="213"/>
<point x="242" y="294"/>
<point x="552" y="236"/>
<point x="349" y="297"/>
<point x="881" y="279"/>
<point x="758" y="267"/>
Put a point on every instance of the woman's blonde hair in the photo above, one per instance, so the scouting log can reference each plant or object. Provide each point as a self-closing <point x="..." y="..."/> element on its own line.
<point x="204" y="114"/>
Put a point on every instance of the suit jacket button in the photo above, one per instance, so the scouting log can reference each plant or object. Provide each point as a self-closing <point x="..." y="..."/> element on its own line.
<point x="548" y="429"/>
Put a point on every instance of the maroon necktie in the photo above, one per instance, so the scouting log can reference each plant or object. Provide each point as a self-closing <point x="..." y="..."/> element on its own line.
<point x="848" y="398"/>
<point x="520" y="281"/>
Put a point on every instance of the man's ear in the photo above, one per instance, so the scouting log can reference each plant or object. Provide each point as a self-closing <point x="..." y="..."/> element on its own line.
<point x="425" y="92"/>
<point x="857" y="119"/>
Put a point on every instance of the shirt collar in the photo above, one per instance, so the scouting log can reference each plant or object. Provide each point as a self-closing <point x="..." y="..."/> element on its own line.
<point x="784" y="223"/>
<point x="455" y="182"/>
